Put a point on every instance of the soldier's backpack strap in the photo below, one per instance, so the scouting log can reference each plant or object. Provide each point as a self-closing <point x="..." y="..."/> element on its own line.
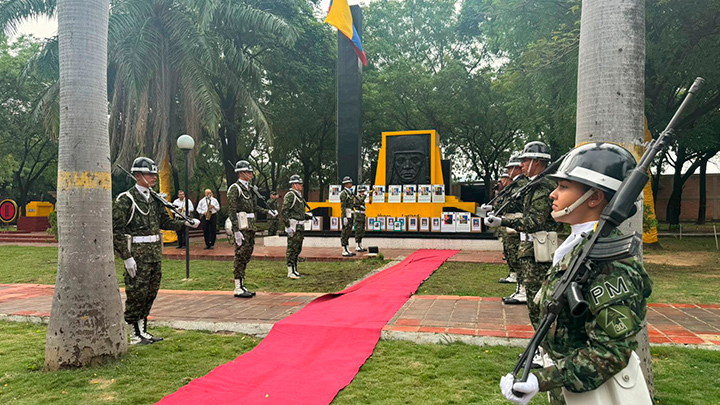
<point x="294" y="199"/>
<point x="134" y="205"/>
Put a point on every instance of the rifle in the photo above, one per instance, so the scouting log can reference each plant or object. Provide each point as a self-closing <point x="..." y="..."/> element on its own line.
<point x="528" y="187"/>
<point x="160" y="198"/>
<point x="598" y="247"/>
<point x="504" y="191"/>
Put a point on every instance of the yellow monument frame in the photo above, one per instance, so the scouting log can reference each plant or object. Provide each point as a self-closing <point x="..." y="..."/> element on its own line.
<point x="387" y="209"/>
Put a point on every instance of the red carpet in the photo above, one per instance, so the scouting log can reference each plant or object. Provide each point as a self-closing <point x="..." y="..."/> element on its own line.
<point x="310" y="356"/>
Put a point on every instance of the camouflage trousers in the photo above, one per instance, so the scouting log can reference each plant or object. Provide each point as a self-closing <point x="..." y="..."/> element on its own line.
<point x="359" y="228"/>
<point x="272" y="226"/>
<point x="532" y="274"/>
<point x="141" y="291"/>
<point x="346" y="231"/>
<point x="294" y="247"/>
<point x="510" y="250"/>
<point x="243" y="254"/>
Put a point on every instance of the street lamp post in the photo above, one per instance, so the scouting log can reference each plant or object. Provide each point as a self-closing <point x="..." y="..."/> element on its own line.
<point x="186" y="143"/>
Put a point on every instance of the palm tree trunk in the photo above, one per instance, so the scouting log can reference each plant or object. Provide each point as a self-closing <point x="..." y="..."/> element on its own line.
<point x="611" y="93"/>
<point x="86" y="322"/>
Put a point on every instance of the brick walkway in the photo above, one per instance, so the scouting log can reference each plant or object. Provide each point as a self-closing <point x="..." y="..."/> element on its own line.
<point x="424" y="318"/>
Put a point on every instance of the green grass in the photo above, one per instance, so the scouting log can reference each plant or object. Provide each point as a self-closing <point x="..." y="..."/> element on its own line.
<point x="38" y="265"/>
<point x="397" y="372"/>
<point x="691" y="274"/>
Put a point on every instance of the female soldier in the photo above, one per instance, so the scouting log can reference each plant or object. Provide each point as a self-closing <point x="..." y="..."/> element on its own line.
<point x="593" y="354"/>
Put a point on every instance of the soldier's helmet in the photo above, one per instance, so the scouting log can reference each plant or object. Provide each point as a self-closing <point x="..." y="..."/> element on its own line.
<point x="504" y="174"/>
<point x="599" y="165"/>
<point x="243" y="166"/>
<point x="295" y="179"/>
<point x="513" y="162"/>
<point x="346" y="179"/>
<point x="362" y="189"/>
<point x="536" y="150"/>
<point x="144" y="165"/>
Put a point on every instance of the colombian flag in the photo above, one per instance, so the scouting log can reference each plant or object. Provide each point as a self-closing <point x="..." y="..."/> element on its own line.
<point x="339" y="16"/>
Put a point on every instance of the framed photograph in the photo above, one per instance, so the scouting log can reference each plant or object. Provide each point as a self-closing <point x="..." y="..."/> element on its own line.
<point x="379" y="224"/>
<point x="317" y="223"/>
<point x="400" y="224"/>
<point x="424" y="193"/>
<point x="438" y="194"/>
<point x="334" y="193"/>
<point x="367" y="194"/>
<point x="424" y="224"/>
<point x="436" y="224"/>
<point x="378" y="194"/>
<point x="448" y="222"/>
<point x="462" y="221"/>
<point x="390" y="223"/>
<point x="412" y="224"/>
<point x="476" y="224"/>
<point x="394" y="194"/>
<point x="334" y="223"/>
<point x="409" y="193"/>
<point x="369" y="223"/>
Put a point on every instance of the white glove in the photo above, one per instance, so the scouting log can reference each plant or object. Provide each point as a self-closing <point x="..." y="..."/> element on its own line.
<point x="239" y="238"/>
<point x="272" y="213"/>
<point x="130" y="267"/>
<point x="310" y="215"/>
<point x="529" y="388"/>
<point x="492" y="221"/>
<point x="484" y="210"/>
<point x="290" y="231"/>
<point x="193" y="223"/>
<point x="345" y="221"/>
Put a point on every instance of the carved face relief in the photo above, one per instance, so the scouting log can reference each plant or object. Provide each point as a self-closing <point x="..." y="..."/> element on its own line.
<point x="408" y="159"/>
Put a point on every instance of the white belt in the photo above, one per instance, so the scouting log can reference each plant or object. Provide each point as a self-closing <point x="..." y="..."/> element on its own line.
<point x="146" y="239"/>
<point x="251" y="215"/>
<point x="526" y="237"/>
<point x="359" y="212"/>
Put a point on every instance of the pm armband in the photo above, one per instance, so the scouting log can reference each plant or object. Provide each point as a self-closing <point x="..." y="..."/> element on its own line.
<point x="609" y="290"/>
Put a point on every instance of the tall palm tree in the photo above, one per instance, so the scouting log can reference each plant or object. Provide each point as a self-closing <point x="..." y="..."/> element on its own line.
<point x="86" y="323"/>
<point x="611" y="93"/>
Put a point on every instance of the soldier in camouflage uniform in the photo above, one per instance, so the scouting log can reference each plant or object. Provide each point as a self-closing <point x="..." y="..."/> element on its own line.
<point x="535" y="216"/>
<point x="242" y="208"/>
<point x="272" y="203"/>
<point x="137" y="219"/>
<point x="588" y="350"/>
<point x="360" y="218"/>
<point x="294" y="217"/>
<point x="347" y="206"/>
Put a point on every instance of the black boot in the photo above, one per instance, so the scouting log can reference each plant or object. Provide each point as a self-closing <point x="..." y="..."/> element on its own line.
<point x="149" y="336"/>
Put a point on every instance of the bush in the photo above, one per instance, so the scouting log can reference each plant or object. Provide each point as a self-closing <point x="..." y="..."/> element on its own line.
<point x="53" y="224"/>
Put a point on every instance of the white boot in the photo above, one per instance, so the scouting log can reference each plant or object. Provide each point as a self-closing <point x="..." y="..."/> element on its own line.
<point x="360" y="248"/>
<point x="518" y="297"/>
<point x="346" y="252"/>
<point x="291" y="272"/>
<point x="136" y="335"/>
<point x="295" y="270"/>
<point x="510" y="279"/>
<point x="241" y="291"/>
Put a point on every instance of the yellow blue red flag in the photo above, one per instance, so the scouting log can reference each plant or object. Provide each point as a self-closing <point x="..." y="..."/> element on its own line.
<point x="340" y="17"/>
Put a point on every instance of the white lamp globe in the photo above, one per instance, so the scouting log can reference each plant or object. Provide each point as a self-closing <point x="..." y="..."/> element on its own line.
<point x="185" y="142"/>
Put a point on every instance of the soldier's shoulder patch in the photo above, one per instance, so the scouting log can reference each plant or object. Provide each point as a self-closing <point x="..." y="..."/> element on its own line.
<point x="608" y="289"/>
<point x="617" y="321"/>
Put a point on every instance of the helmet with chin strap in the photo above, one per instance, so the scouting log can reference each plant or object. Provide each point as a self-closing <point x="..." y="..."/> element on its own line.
<point x="599" y="165"/>
<point x="346" y="180"/>
<point x="513" y="162"/>
<point x="243" y="166"/>
<point x="295" y="179"/>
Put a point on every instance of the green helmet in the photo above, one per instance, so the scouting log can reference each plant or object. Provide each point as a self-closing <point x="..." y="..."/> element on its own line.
<point x="599" y="165"/>
<point x="346" y="179"/>
<point x="295" y="179"/>
<point x="536" y="150"/>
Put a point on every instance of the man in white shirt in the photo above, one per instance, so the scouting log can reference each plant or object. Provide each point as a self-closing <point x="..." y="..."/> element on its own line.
<point x="208" y="207"/>
<point x="180" y="203"/>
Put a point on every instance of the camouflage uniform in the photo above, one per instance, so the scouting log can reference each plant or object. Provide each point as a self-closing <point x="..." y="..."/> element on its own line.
<point x="359" y="205"/>
<point x="347" y="201"/>
<point x="510" y="238"/>
<point x="294" y="209"/>
<point x="134" y="216"/>
<point x="242" y="199"/>
<point x="535" y="217"/>
<point x="589" y="349"/>
<point x="272" y="204"/>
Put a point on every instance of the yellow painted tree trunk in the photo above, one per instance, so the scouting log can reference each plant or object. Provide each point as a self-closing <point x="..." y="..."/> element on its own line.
<point x="650" y="235"/>
<point x="164" y="177"/>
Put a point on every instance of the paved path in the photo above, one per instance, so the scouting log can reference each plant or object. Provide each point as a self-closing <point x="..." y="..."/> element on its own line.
<point x="424" y="318"/>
